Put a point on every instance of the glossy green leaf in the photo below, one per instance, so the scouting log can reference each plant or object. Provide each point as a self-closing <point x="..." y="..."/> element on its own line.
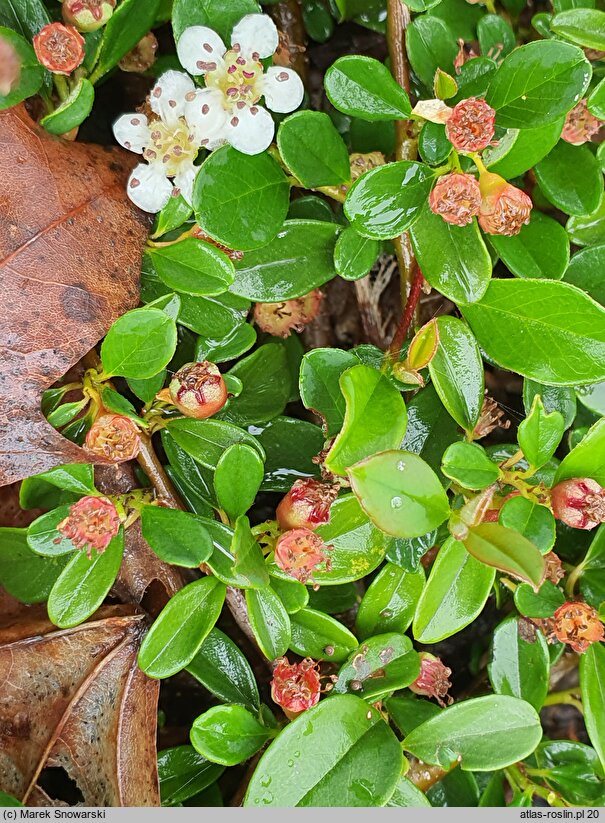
<point x="483" y="734"/>
<point x="496" y="37"/>
<point x="433" y="146"/>
<point x="175" y="536"/>
<point x="407" y="553"/>
<point x="239" y="473"/>
<point x="23" y="573"/>
<point x="548" y="331"/>
<point x="521" y="149"/>
<point x="84" y="583"/>
<point x="269" y="621"/>
<point x="390" y="601"/>
<point x="408" y="711"/>
<point x="139" y="344"/>
<point x="290" y="446"/>
<point x="537" y="83"/>
<point x="31" y="74"/>
<point x="588" y="229"/>
<point x="573" y="770"/>
<point x="207" y="440"/>
<point x="541" y="249"/>
<point x="176" y="211"/>
<point x="387" y="200"/>
<point x="72" y="111"/>
<point x="221" y="667"/>
<point x="317" y="635"/>
<point x="181" y="628"/>
<point x="184" y="773"/>
<point x="455" y="593"/>
<point x="220" y="15"/>
<point x="533" y="521"/>
<point x="228" y="735"/>
<point x="193" y="267"/>
<point x="431" y="429"/>
<point x="320" y="372"/>
<point x="127" y="25"/>
<point x="232" y="189"/>
<point x="519" y="664"/>
<point x="585" y="271"/>
<point x="355" y="255"/>
<point x="407" y="794"/>
<point x="364" y="87"/>
<point x="506" y="550"/>
<point x="431" y="45"/>
<point x="26" y="17"/>
<point x="542" y="603"/>
<point x="43" y="536"/>
<point x="540" y="433"/>
<point x="380" y="665"/>
<point x="587" y="459"/>
<point x="375" y="418"/>
<point x="347" y="756"/>
<point x="585" y="27"/>
<point x="554" y="398"/>
<point x="592" y="684"/>
<point x="249" y="559"/>
<point x="570" y="178"/>
<point x="266" y="386"/>
<point x="57" y="485"/>
<point x="313" y="150"/>
<point x="468" y="465"/>
<point x="454" y="259"/>
<point x="293" y="594"/>
<point x="596" y="101"/>
<point x="228" y="347"/>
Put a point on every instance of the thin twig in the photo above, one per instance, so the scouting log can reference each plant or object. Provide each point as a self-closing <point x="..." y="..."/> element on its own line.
<point x="151" y="465"/>
<point x="409" y="313"/>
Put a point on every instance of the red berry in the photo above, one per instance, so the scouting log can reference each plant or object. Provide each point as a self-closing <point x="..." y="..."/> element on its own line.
<point x="114" y="437"/>
<point x="87" y="15"/>
<point x="470" y="126"/>
<point x="198" y="390"/>
<point x="580" y="125"/>
<point x="280" y="319"/>
<point x="579" y="503"/>
<point x="456" y="197"/>
<point x="59" y="48"/>
<point x="295" y="687"/>
<point x="433" y="680"/>
<point x="578" y="625"/>
<point x="299" y="551"/>
<point x="505" y="209"/>
<point x="92" y="523"/>
<point x="306" y="505"/>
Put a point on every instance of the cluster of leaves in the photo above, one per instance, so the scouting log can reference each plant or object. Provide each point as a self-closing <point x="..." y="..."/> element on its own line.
<point x="396" y="432"/>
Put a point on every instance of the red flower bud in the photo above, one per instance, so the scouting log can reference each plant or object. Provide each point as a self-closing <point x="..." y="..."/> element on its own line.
<point x="504" y="207"/>
<point x="280" y="319"/>
<point x="10" y="67"/>
<point x="295" y="687"/>
<point x="578" y="625"/>
<point x="580" y="125"/>
<point x="59" y="48"/>
<point x="114" y="437"/>
<point x="198" y="390"/>
<point x="579" y="503"/>
<point x="142" y="57"/>
<point x="470" y="126"/>
<point x="299" y="551"/>
<point x="307" y="504"/>
<point x="87" y="15"/>
<point x="456" y="197"/>
<point x="433" y="680"/>
<point x="92" y="523"/>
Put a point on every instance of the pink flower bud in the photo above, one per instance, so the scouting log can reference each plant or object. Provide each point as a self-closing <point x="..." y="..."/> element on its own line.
<point x="280" y="319"/>
<point x="578" y="625"/>
<point x="59" y="48"/>
<point x="114" y="437"/>
<point x="295" y="687"/>
<point x="306" y="505"/>
<point x="456" y="197"/>
<point x="433" y="680"/>
<point x="579" y="503"/>
<point x="505" y="209"/>
<point x="142" y="57"/>
<point x="471" y="125"/>
<point x="580" y="125"/>
<point x="198" y="390"/>
<point x="10" y="67"/>
<point x="87" y="15"/>
<point x="92" y="523"/>
<point x="299" y="551"/>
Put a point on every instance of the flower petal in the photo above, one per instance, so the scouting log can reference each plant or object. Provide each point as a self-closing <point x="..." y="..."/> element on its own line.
<point x="283" y="89"/>
<point x="250" y="130"/>
<point x="198" y="48"/>
<point x="206" y="114"/>
<point x="167" y="97"/>
<point x="132" y="132"/>
<point x="185" y="179"/>
<point x="256" y="34"/>
<point x="148" y="187"/>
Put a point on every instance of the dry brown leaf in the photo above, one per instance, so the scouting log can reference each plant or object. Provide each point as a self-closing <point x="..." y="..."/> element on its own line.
<point x="75" y="700"/>
<point x="70" y="249"/>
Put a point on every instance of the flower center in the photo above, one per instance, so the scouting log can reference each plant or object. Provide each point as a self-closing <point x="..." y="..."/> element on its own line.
<point x="62" y="49"/>
<point x="237" y="78"/>
<point x="171" y="145"/>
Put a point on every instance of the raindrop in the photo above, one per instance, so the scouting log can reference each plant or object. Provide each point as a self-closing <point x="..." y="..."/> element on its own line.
<point x="265" y="781"/>
<point x="401" y="465"/>
<point x="396" y="502"/>
<point x="290" y="763"/>
<point x="296" y="754"/>
<point x="267" y="799"/>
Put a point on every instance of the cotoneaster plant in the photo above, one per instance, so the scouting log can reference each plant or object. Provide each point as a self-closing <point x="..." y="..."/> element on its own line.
<point x="352" y="430"/>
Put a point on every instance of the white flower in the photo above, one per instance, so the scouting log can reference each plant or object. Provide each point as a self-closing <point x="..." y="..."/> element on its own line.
<point x="227" y="110"/>
<point x="169" y="143"/>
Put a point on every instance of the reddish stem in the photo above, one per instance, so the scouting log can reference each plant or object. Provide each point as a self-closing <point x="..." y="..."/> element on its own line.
<point x="408" y="315"/>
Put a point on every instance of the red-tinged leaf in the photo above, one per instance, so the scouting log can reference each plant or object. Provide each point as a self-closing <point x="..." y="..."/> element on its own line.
<point x="506" y="550"/>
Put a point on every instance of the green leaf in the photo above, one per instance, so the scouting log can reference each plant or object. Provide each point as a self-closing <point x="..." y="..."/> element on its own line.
<point x="387" y="200"/>
<point x="26" y="16"/>
<point x="320" y="392"/>
<point x="128" y="24"/>
<point x="469" y="466"/>
<point x="84" y="583"/>
<point x="496" y="37"/>
<point x="360" y="761"/>
<point x="381" y="665"/>
<point x="207" y="440"/>
<point x="24" y="574"/>
<point x="375" y="418"/>
<point x="181" y="627"/>
<point x="232" y="190"/>
<point x="401" y="494"/>
<point x="139" y="344"/>
<point x="406" y="794"/>
<point x="147" y="388"/>
<point x="570" y="178"/>
<point x="555" y="398"/>
<point x="297" y="259"/>
<point x="266" y="386"/>
<point x="229" y="347"/>
<point x="596" y="101"/>
<point x="269" y="621"/>
<point x="548" y="331"/>
<point x="43" y="536"/>
<point x="313" y="150"/>
<point x="237" y="479"/>
<point x="433" y="146"/>
<point x="540" y="433"/>
<point x="407" y="554"/>
<point x="455" y="594"/>
<point x="506" y="550"/>
<point x="31" y="74"/>
<point x="592" y="684"/>
<point x="533" y="521"/>
<point x="390" y="601"/>
<point x="588" y="229"/>
<point x="454" y="259"/>
<point x="249" y="559"/>
<point x="176" y="537"/>
<point x="290" y="446"/>
<point x="184" y="773"/>
<point x="585" y="27"/>
<point x="431" y="429"/>
<point x="363" y="87"/>
<point x="72" y="111"/>
<point x="431" y="45"/>
<point x="220" y="15"/>
<point x="587" y="459"/>
<point x="8" y="800"/>
<point x="355" y="255"/>
<point x="317" y="635"/>
<point x="519" y="665"/>
<point x="521" y="149"/>
<point x="573" y="770"/>
<point x="457" y="372"/>
<point x="483" y="734"/>
<point x="541" y="249"/>
<point x="537" y="83"/>
<point x="193" y="267"/>
<point x="228" y="735"/>
<point x="176" y="211"/>
<point x="585" y="271"/>
<point x="542" y="603"/>
<point x="294" y="595"/>
<point x="221" y="667"/>
<point x="39" y="490"/>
